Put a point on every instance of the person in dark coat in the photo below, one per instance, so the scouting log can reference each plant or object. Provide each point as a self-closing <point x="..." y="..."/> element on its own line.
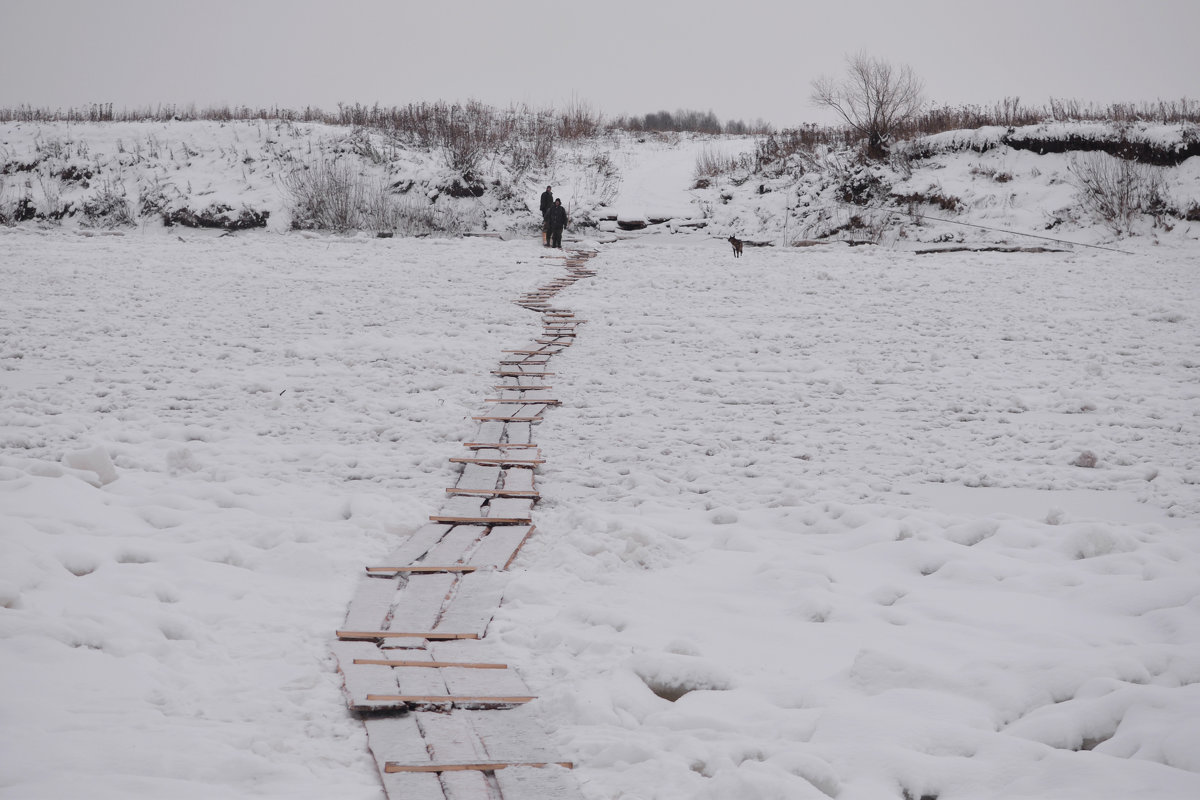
<point x="547" y="204"/>
<point x="557" y="221"/>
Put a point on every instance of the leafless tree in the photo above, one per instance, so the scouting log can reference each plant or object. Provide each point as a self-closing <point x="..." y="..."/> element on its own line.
<point x="873" y="98"/>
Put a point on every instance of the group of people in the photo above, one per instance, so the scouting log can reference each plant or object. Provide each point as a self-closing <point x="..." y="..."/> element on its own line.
<point x="554" y="219"/>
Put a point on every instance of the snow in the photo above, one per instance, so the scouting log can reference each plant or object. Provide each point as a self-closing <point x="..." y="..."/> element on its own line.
<point x="812" y="521"/>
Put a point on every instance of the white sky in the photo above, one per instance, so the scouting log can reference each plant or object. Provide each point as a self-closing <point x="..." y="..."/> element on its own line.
<point x="742" y="59"/>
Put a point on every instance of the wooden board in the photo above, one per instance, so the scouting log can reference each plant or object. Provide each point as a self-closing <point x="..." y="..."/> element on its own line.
<point x="417" y="545"/>
<point x="399" y="739"/>
<point x="473" y="604"/>
<point x="510" y="508"/>
<point x="420" y="601"/>
<point x="457" y="544"/>
<point x="372" y="602"/>
<point x="478" y="476"/>
<point x="500" y="546"/>
<point x="518" y="479"/>
<point x="360" y="679"/>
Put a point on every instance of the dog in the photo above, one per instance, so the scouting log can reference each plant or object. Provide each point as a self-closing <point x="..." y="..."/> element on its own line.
<point x="737" y="247"/>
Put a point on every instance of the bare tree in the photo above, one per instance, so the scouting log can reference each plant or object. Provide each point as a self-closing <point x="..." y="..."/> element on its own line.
<point x="873" y="98"/>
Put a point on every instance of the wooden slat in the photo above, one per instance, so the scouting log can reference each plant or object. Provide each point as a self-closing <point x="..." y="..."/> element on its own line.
<point x="414" y="547"/>
<point x="510" y="508"/>
<point x="398" y="739"/>
<point x="360" y="678"/>
<point x="508" y="373"/>
<point x="473" y="604"/>
<point x="518" y="479"/>
<point x="384" y="662"/>
<point x="481" y="766"/>
<point x="496" y="445"/>
<point x="499" y="460"/>
<point x="419" y="569"/>
<point x="478" y="476"/>
<point x="420" y="602"/>
<point x="371" y="603"/>
<point x="481" y="520"/>
<point x="368" y="635"/>
<point x="454" y="547"/>
<point x="495" y="492"/>
<point x="500" y="547"/>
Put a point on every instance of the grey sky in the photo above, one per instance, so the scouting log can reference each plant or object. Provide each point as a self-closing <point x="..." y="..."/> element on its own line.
<point x="745" y="59"/>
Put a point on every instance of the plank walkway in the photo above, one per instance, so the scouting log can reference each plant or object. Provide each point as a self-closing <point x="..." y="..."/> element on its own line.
<point x="447" y="719"/>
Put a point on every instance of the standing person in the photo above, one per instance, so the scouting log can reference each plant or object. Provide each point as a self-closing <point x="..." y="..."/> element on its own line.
<point x="558" y="221"/>
<point x="547" y="204"/>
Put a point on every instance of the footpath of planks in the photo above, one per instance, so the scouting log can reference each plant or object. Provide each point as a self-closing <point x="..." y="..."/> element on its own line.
<point x="447" y="720"/>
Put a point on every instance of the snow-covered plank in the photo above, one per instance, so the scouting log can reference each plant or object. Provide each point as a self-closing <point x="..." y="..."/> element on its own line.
<point x="519" y="432"/>
<point x="500" y="546"/>
<point x="518" y="479"/>
<point x="417" y="545"/>
<point x="489" y="432"/>
<point x="373" y="599"/>
<point x="461" y="682"/>
<point x="451" y="740"/>
<point x="528" y="783"/>
<point x="474" y="602"/>
<point x="419" y="603"/>
<point x="519" y="508"/>
<point x="478" y="476"/>
<point x="362" y="679"/>
<point x="398" y="739"/>
<point x="459" y="506"/>
<point x="455" y="545"/>
<point x="419" y="681"/>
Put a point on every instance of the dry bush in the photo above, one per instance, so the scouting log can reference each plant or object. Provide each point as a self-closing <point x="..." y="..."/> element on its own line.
<point x="332" y="195"/>
<point x="1116" y="189"/>
<point x="712" y="163"/>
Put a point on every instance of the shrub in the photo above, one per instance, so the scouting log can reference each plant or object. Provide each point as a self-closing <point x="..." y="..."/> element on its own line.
<point x="107" y="208"/>
<point x="1116" y="189"/>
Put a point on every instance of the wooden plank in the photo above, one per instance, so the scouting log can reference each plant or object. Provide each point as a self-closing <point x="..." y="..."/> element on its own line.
<point x="473" y="604"/>
<point x="484" y="683"/>
<point x="414" y="547"/>
<point x="524" y="783"/>
<point x="422" y="681"/>
<point x="453" y="549"/>
<point x="461" y="506"/>
<point x="419" y="569"/>
<point x="479" y="766"/>
<point x="495" y="492"/>
<point x="478" y="476"/>
<point x="511" y="373"/>
<point x="489" y="432"/>
<point x="518" y="479"/>
<point x="398" y="739"/>
<point x="385" y="662"/>
<point x="372" y="601"/>
<point x="519" y="432"/>
<point x="420" y="602"/>
<point x="509" y="419"/>
<point x="498" y="460"/>
<point x="518" y="387"/>
<point x="369" y="635"/>
<point x="482" y="520"/>
<point x="361" y="678"/>
<point x="496" y="445"/>
<point x="500" y="547"/>
<point x="541" y="352"/>
<point x="450" y="739"/>
<point x="510" y="508"/>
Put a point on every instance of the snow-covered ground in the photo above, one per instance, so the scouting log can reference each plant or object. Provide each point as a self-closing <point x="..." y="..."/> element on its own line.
<point x="819" y="522"/>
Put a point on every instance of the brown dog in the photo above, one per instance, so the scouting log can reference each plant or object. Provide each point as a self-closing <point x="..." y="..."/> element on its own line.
<point x="737" y="247"/>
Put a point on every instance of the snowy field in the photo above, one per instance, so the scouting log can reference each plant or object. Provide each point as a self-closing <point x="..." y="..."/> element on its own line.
<point x="814" y="522"/>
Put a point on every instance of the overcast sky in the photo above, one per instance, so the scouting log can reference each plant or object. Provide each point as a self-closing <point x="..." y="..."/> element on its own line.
<point x="742" y="59"/>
